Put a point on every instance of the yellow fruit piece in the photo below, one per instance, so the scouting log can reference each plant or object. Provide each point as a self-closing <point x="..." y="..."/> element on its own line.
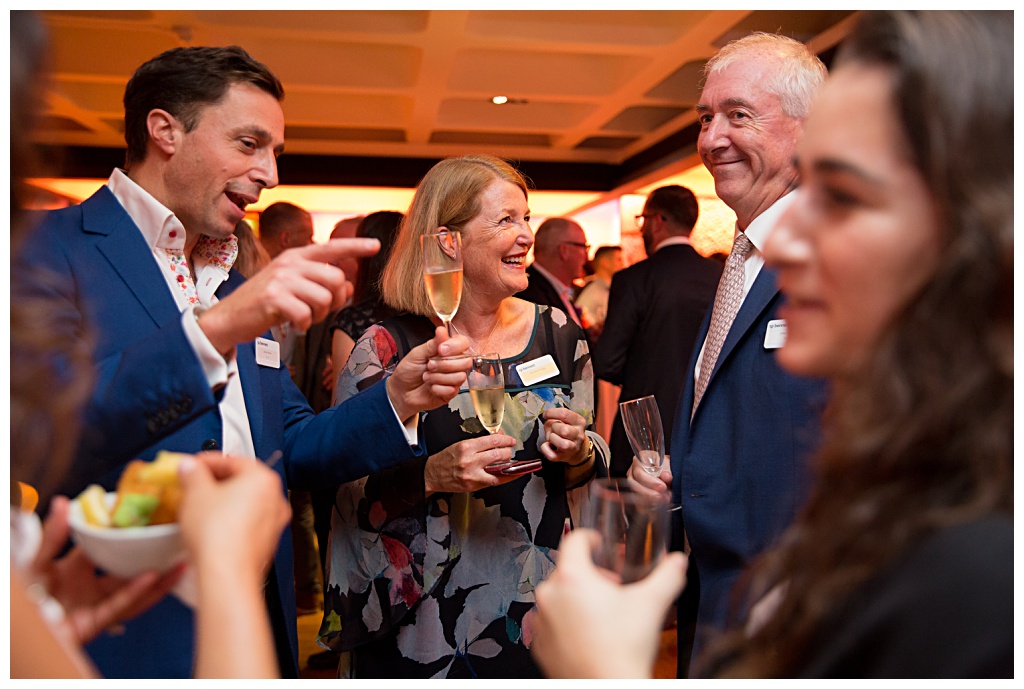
<point x="94" y="506"/>
<point x="163" y="470"/>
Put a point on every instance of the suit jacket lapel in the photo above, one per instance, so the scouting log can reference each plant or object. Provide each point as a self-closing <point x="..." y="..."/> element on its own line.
<point x="128" y="254"/>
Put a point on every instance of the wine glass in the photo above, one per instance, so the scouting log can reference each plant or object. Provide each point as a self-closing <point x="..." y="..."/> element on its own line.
<point x="642" y="421"/>
<point x="634" y="529"/>
<point x="486" y="382"/>
<point x="442" y="272"/>
<point x="487" y="390"/>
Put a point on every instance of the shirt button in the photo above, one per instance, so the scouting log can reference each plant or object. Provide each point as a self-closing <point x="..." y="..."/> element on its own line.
<point x="210" y="444"/>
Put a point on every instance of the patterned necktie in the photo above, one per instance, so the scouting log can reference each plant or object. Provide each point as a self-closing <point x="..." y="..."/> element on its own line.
<point x="727" y="303"/>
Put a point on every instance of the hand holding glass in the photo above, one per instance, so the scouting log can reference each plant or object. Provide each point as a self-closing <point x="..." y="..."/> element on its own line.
<point x="642" y="421"/>
<point x="442" y="272"/>
<point x="487" y="390"/>
<point x="634" y="529"/>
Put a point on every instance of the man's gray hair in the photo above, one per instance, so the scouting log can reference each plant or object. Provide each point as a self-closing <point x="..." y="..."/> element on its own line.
<point x="796" y="77"/>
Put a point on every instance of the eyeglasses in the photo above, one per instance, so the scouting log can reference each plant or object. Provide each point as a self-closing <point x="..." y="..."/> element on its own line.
<point x="582" y="245"/>
<point x="642" y="218"/>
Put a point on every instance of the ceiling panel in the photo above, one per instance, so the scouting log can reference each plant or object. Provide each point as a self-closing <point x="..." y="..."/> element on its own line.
<point x="604" y="97"/>
<point x="315" y="106"/>
<point x="534" y="73"/>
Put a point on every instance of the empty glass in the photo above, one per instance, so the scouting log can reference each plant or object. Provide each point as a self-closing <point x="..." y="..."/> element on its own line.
<point x="642" y="421"/>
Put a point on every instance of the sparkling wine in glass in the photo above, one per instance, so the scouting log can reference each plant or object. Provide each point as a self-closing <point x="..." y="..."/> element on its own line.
<point x="442" y="273"/>
<point x="642" y="421"/>
<point x="487" y="390"/>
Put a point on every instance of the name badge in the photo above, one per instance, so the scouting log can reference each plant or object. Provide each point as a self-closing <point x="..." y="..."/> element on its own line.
<point x="268" y="353"/>
<point x="775" y="336"/>
<point x="533" y="372"/>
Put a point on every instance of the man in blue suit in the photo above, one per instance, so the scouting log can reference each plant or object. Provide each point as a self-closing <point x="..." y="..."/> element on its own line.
<point x="182" y="354"/>
<point x="745" y="429"/>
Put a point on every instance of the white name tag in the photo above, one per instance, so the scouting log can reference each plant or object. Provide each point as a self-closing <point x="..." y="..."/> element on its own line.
<point x="533" y="372"/>
<point x="775" y="336"/>
<point x="268" y="353"/>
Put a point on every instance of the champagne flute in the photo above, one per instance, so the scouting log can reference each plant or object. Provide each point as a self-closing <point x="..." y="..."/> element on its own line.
<point x="487" y="390"/>
<point x="442" y="272"/>
<point x="642" y="421"/>
<point x="486" y="381"/>
<point x="634" y="529"/>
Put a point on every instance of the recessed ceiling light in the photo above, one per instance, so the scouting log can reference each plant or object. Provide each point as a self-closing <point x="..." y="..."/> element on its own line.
<point x="499" y="100"/>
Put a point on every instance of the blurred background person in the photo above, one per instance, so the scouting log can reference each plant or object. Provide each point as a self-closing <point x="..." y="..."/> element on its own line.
<point x="284" y="226"/>
<point x="368" y="306"/>
<point x="897" y="264"/>
<point x="655" y="311"/>
<point x="592" y="301"/>
<point x="559" y="254"/>
<point x="251" y="254"/>
<point x="433" y="564"/>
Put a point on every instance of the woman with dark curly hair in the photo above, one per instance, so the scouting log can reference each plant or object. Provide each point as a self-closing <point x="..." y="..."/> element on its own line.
<point x="897" y="264"/>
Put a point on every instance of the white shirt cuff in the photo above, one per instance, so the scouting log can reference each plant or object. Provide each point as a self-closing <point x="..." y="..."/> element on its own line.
<point x="411" y="429"/>
<point x="215" y="366"/>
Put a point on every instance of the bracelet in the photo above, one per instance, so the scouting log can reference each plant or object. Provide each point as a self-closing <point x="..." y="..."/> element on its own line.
<point x="588" y="458"/>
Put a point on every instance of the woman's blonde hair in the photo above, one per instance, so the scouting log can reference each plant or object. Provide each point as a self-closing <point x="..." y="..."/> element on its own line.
<point x="447" y="196"/>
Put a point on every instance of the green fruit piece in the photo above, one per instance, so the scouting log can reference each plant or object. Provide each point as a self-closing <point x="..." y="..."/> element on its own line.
<point x="135" y="509"/>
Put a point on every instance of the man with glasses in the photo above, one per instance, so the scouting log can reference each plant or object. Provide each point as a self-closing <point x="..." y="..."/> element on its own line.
<point x="655" y="309"/>
<point x="560" y="251"/>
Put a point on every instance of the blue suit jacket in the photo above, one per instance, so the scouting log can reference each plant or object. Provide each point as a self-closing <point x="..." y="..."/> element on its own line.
<point x="740" y="467"/>
<point x="150" y="394"/>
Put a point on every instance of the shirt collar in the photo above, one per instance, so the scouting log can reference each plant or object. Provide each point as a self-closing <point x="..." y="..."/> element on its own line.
<point x="672" y="240"/>
<point x="761" y="226"/>
<point x="160" y="227"/>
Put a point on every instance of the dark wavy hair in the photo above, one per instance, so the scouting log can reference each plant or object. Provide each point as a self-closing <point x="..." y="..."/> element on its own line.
<point x="183" y="81"/>
<point x="382" y="226"/>
<point x="923" y="437"/>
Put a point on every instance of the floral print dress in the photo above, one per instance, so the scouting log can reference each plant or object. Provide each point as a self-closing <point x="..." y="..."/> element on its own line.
<point x="444" y="586"/>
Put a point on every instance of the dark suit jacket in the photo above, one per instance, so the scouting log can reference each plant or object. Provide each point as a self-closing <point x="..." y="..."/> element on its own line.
<point x="541" y="291"/>
<point x="150" y="394"/>
<point x="655" y="310"/>
<point x="739" y="469"/>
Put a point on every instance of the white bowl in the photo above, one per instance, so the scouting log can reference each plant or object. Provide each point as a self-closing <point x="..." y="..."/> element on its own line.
<point x="127" y="552"/>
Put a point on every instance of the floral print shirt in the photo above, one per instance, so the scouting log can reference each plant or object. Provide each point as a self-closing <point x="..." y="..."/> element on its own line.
<point x="444" y="586"/>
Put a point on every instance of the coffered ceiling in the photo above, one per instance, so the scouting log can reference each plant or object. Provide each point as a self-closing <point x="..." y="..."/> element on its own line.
<point x="597" y="100"/>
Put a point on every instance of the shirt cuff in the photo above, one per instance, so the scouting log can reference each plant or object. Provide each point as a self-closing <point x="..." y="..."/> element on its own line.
<point x="215" y="366"/>
<point x="411" y="429"/>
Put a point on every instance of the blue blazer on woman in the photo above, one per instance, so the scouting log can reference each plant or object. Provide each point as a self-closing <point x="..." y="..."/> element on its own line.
<point x="150" y="394"/>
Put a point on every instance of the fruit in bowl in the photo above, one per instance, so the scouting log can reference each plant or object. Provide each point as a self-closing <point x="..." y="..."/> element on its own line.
<point x="134" y="529"/>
